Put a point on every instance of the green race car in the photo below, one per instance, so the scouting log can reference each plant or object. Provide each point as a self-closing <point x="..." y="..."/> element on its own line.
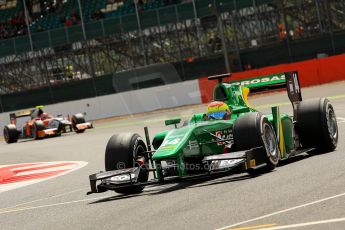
<point x="249" y="141"/>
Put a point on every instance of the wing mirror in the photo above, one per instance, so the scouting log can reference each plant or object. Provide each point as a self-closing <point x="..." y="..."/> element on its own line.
<point x="173" y="121"/>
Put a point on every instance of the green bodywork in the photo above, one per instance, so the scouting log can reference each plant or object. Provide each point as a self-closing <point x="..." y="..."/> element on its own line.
<point x="194" y="140"/>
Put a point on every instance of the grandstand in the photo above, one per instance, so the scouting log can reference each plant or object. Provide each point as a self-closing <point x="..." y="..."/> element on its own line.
<point x="198" y="37"/>
<point x="52" y="14"/>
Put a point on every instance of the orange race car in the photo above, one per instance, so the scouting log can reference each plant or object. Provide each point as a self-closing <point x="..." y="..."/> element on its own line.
<point x="42" y="125"/>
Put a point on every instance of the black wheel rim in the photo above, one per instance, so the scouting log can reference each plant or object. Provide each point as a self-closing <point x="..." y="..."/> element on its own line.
<point x="143" y="175"/>
<point x="138" y="150"/>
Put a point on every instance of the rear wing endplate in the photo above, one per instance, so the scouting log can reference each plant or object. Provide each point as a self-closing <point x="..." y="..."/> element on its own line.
<point x="293" y="90"/>
<point x="293" y="86"/>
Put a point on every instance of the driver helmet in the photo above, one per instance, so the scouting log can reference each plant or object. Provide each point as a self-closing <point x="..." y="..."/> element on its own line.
<point x="218" y="110"/>
<point x="36" y="113"/>
<point x="44" y="116"/>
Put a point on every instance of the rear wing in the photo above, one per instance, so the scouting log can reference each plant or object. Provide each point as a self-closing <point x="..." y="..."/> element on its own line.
<point x="22" y="113"/>
<point x="264" y="83"/>
<point x="288" y="80"/>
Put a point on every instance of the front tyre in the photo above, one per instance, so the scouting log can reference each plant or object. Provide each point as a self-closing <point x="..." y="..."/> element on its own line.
<point x="254" y="130"/>
<point x="78" y="119"/>
<point x="123" y="151"/>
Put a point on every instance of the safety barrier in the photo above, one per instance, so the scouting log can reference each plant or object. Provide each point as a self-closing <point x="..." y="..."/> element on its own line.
<point x="126" y="103"/>
<point x="311" y="72"/>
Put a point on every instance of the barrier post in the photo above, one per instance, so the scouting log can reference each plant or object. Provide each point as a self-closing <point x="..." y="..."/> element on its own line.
<point x="140" y="32"/>
<point x="2" y="107"/>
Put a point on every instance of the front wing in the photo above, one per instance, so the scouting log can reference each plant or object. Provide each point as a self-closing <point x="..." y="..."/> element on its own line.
<point x="86" y="125"/>
<point x="218" y="164"/>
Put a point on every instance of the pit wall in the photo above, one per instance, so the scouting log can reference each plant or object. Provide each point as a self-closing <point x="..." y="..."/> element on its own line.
<point x="311" y="72"/>
<point x="130" y="102"/>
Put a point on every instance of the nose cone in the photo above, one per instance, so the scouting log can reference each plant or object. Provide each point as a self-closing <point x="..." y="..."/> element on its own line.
<point x="172" y="145"/>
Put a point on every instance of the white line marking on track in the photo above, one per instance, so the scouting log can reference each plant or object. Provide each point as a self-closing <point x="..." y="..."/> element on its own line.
<point x="281" y="211"/>
<point x="50" y="205"/>
<point x="255" y="227"/>
<point x="341" y="120"/>
<point x="17" y="208"/>
<point x="41" y="199"/>
<point x="306" y="224"/>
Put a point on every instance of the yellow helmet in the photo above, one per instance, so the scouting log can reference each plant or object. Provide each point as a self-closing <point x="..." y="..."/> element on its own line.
<point x="217" y="110"/>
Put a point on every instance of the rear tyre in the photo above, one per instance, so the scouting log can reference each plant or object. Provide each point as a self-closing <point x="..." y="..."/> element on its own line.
<point x="78" y="119"/>
<point x="10" y="134"/>
<point x="254" y="130"/>
<point x="122" y="152"/>
<point x="36" y="127"/>
<point x="317" y="125"/>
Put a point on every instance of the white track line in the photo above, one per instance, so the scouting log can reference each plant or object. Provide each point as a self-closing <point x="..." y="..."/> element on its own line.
<point x="51" y="205"/>
<point x="341" y="120"/>
<point x="46" y="198"/>
<point x="17" y="207"/>
<point x="282" y="211"/>
<point x="306" y="224"/>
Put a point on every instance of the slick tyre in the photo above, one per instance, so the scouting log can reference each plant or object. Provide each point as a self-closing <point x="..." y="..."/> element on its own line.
<point x="10" y="134"/>
<point x="78" y="119"/>
<point x="36" y="127"/>
<point x="254" y="130"/>
<point x="317" y="125"/>
<point x="121" y="152"/>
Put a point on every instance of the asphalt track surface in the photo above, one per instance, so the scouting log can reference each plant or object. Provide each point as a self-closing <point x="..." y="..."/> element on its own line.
<point x="307" y="192"/>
